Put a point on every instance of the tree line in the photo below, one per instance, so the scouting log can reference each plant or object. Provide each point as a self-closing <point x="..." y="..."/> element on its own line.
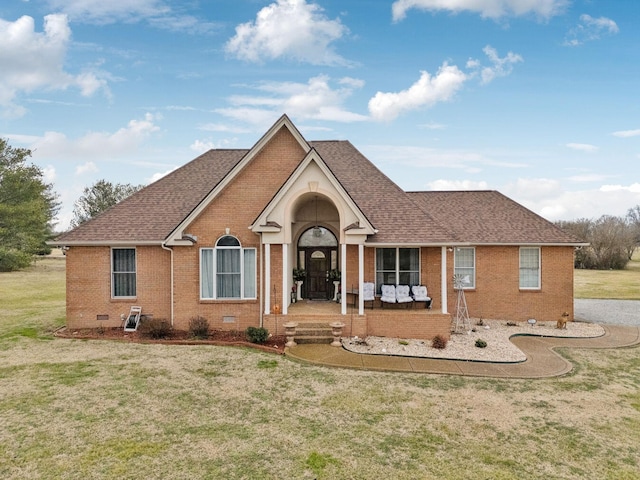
<point x="612" y="240"/>
<point x="28" y="206"/>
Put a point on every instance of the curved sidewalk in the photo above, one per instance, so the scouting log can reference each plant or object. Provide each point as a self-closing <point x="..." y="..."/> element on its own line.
<point x="542" y="359"/>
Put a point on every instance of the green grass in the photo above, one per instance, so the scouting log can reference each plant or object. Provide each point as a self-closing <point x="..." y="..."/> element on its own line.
<point x="72" y="409"/>
<point x="613" y="284"/>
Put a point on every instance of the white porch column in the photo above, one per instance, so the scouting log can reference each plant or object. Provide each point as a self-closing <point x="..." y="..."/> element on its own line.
<point x="443" y="281"/>
<point x="343" y="277"/>
<point x="267" y="278"/>
<point x="360" y="279"/>
<point x="285" y="269"/>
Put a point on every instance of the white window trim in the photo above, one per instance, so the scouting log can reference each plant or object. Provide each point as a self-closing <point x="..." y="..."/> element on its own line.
<point x="539" y="286"/>
<point x="472" y="286"/>
<point x="397" y="267"/>
<point x="113" y="286"/>
<point x="215" y="272"/>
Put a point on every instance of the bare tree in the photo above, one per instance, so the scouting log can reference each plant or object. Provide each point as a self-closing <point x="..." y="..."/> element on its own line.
<point x="98" y="198"/>
<point x="612" y="241"/>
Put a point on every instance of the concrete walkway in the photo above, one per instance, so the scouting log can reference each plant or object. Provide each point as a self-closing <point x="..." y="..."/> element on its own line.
<point x="542" y="359"/>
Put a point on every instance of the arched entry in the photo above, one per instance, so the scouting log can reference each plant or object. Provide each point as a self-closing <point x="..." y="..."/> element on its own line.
<point x="317" y="255"/>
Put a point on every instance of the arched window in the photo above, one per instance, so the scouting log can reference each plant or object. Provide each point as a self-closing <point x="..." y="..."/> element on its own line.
<point x="228" y="270"/>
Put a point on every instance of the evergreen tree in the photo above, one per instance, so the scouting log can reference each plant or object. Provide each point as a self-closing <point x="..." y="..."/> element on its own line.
<point x="27" y="208"/>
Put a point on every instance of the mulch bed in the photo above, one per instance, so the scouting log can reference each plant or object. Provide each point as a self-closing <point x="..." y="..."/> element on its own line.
<point x="274" y="344"/>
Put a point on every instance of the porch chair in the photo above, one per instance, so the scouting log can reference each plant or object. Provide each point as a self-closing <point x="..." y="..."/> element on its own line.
<point x="368" y="292"/>
<point x="420" y="295"/>
<point x="388" y="294"/>
<point x="403" y="294"/>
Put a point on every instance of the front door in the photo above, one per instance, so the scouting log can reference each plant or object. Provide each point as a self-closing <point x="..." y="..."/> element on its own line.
<point x="317" y="261"/>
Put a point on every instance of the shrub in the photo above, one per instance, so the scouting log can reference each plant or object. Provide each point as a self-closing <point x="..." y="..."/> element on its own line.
<point x="403" y="342"/>
<point x="257" y="334"/>
<point x="481" y="343"/>
<point x="199" y="327"/>
<point x="439" y="342"/>
<point x="156" y="328"/>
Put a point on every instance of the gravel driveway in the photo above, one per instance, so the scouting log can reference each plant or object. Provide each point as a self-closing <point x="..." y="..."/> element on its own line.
<point x="616" y="312"/>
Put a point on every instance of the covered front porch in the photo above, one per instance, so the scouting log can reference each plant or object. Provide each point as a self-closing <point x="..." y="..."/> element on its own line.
<point x="398" y="322"/>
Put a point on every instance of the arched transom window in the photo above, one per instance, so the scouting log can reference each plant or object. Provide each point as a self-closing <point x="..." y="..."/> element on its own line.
<point x="227" y="271"/>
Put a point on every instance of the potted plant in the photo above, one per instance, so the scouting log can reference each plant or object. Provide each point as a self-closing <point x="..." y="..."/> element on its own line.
<point x="299" y="274"/>
<point x="334" y="276"/>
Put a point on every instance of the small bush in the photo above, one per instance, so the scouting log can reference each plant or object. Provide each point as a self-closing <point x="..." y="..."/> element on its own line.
<point x="403" y="342"/>
<point x="481" y="343"/>
<point x="439" y="342"/>
<point x="199" y="327"/>
<point x="156" y="328"/>
<point x="257" y="334"/>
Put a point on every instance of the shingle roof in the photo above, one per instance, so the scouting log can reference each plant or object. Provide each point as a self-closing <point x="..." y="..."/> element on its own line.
<point x="152" y="213"/>
<point x="479" y="217"/>
<point x="385" y="204"/>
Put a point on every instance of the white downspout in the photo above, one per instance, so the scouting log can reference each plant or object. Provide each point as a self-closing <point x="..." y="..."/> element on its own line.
<point x="360" y="279"/>
<point x="285" y="284"/>
<point x="171" y="252"/>
<point x="262" y="299"/>
<point x="267" y="278"/>
<point x="343" y="267"/>
<point x="443" y="281"/>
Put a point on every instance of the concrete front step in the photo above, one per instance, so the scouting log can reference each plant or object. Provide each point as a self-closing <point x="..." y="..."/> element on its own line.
<point x="316" y="332"/>
<point x="313" y="339"/>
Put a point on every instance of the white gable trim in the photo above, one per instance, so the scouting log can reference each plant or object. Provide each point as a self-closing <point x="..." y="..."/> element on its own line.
<point x="176" y="236"/>
<point x="337" y="194"/>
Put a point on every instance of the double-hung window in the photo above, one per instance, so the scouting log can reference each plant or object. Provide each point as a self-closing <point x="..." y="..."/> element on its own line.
<point x="227" y="271"/>
<point x="397" y="266"/>
<point x="464" y="267"/>
<point x="123" y="272"/>
<point x="530" y="268"/>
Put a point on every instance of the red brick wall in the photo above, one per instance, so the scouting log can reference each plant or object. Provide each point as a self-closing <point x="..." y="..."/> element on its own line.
<point x="497" y="294"/>
<point x="89" y="286"/>
<point x="235" y="208"/>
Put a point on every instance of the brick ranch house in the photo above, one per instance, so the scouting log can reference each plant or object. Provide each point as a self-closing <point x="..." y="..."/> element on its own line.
<point x="221" y="236"/>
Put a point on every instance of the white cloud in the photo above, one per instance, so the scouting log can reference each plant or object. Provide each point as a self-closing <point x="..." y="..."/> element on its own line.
<point x="317" y="99"/>
<point x="157" y="13"/>
<point x="626" y="133"/>
<point x="32" y="61"/>
<point x="457" y="185"/>
<point x="88" y="167"/>
<point x="590" y="28"/>
<point x="201" y="146"/>
<point x="291" y="29"/>
<point x="426" y="92"/>
<point x="486" y="8"/>
<point x="582" y="147"/>
<point x="95" y="145"/>
<point x="49" y="174"/>
<point x="550" y="198"/>
<point x="501" y="67"/>
<point x="157" y="176"/>
<point x="222" y="127"/>
<point x="633" y="188"/>
<point x="589" y="177"/>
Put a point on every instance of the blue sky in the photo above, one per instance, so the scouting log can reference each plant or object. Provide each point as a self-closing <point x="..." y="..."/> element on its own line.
<point x="539" y="99"/>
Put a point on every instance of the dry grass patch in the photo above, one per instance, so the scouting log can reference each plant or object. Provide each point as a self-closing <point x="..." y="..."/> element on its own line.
<point x="74" y="409"/>
<point x="611" y="284"/>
